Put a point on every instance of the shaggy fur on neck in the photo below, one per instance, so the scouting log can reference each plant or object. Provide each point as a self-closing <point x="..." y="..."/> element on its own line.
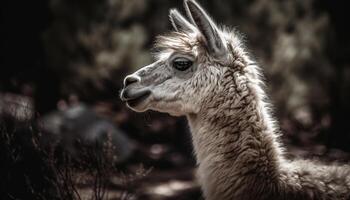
<point x="237" y="147"/>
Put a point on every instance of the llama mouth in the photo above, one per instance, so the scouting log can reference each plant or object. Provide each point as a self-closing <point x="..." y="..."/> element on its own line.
<point x="135" y="98"/>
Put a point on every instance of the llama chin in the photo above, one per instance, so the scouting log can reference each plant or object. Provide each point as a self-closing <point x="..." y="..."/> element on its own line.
<point x="205" y="73"/>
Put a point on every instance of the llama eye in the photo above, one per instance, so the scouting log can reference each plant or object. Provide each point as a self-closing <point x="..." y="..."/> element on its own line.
<point x="182" y="64"/>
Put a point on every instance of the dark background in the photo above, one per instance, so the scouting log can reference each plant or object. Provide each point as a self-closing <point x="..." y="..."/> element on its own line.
<point x="55" y="52"/>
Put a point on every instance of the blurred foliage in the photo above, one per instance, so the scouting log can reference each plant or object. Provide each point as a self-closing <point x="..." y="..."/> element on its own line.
<point x="88" y="45"/>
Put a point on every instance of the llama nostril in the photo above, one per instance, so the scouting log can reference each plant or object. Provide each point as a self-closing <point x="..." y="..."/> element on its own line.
<point x="129" y="80"/>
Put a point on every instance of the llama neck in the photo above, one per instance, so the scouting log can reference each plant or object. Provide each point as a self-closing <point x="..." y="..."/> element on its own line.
<point x="235" y="143"/>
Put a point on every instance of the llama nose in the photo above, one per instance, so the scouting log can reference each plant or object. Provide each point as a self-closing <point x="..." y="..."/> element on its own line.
<point x="131" y="79"/>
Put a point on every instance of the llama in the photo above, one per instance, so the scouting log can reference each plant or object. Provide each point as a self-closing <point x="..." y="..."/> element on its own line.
<point x="204" y="72"/>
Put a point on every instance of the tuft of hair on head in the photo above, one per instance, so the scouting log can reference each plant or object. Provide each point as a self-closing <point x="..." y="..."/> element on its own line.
<point x="181" y="42"/>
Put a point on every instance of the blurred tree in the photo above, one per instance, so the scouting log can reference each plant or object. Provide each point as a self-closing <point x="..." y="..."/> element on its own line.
<point x="338" y="51"/>
<point x="23" y="58"/>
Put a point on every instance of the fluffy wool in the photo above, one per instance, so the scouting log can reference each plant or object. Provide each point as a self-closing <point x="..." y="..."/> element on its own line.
<point x="235" y="139"/>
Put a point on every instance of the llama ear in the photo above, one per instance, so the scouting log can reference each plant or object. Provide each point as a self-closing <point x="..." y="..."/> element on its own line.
<point x="206" y="26"/>
<point x="179" y="22"/>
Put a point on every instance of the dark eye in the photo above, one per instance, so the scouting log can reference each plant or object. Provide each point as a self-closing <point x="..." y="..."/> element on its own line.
<point x="182" y="63"/>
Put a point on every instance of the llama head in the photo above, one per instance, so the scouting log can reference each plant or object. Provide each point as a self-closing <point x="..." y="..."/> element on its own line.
<point x="190" y="64"/>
